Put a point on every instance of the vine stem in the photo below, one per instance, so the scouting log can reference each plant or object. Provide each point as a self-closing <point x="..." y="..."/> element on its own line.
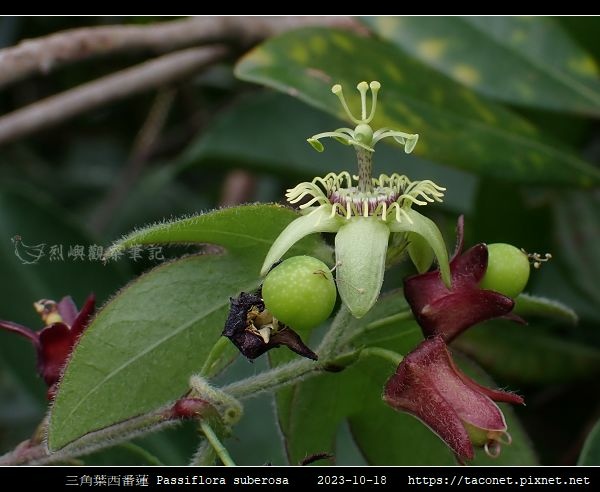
<point x="38" y="454"/>
<point x="204" y="456"/>
<point x="375" y="325"/>
<point x="216" y="443"/>
<point x="394" y="357"/>
<point x="401" y="316"/>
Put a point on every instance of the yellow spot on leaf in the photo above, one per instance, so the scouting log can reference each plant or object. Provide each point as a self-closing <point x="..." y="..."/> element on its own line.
<point x="535" y="160"/>
<point x="583" y="65"/>
<point x="487" y="115"/>
<point x="341" y="41"/>
<point x="518" y="36"/>
<point x="437" y="95"/>
<point x="432" y="49"/>
<point x="300" y="54"/>
<point x="259" y="57"/>
<point x="394" y="72"/>
<point x="388" y="25"/>
<point x="317" y="45"/>
<point x="524" y="89"/>
<point x="466" y="74"/>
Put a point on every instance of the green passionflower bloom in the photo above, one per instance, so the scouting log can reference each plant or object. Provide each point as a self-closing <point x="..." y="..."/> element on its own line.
<point x="364" y="211"/>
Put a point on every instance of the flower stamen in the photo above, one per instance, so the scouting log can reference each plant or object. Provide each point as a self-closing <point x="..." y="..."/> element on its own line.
<point x="536" y="259"/>
<point x="388" y="194"/>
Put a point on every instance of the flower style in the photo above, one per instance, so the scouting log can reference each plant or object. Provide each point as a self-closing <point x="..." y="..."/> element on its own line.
<point x="254" y="330"/>
<point x="448" y="312"/>
<point x="364" y="210"/>
<point x="54" y="343"/>
<point x="462" y="413"/>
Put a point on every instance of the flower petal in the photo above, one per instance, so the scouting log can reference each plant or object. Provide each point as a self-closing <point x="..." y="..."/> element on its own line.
<point x="67" y="310"/>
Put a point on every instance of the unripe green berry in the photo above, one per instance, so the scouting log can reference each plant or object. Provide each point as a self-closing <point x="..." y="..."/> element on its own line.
<point x="300" y="292"/>
<point x="507" y="271"/>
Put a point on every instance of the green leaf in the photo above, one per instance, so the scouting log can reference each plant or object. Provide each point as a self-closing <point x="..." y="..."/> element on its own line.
<point x="142" y="347"/>
<point x="530" y="61"/>
<point x="456" y="127"/>
<point x="590" y="454"/>
<point x="248" y="230"/>
<point x="528" y="354"/>
<point x="315" y="410"/>
<point x="140" y="350"/>
<point x="584" y="30"/>
<point x="528" y="305"/>
<point x="577" y="216"/>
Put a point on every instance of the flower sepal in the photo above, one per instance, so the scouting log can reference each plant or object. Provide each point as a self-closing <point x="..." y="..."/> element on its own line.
<point x="318" y="220"/>
<point x="360" y="253"/>
<point x="55" y="342"/>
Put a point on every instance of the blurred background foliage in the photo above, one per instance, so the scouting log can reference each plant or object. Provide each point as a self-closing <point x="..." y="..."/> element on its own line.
<point x="507" y="110"/>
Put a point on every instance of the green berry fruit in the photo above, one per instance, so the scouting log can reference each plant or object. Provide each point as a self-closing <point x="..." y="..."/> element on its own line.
<point x="507" y="271"/>
<point x="300" y="292"/>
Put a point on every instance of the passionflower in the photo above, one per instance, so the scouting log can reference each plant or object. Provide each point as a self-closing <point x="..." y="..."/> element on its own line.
<point x="447" y="312"/>
<point x="64" y="324"/>
<point x="428" y="385"/>
<point x="364" y="211"/>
